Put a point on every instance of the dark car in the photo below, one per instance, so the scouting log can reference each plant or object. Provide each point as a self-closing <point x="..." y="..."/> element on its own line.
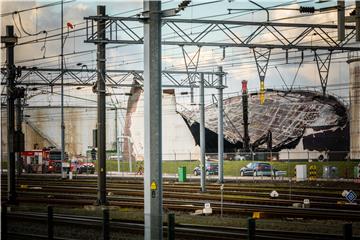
<point x="211" y="168"/>
<point x="83" y="167"/>
<point x="86" y="168"/>
<point x="257" y="169"/>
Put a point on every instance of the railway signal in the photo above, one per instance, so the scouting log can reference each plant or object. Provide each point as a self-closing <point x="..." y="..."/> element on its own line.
<point x="312" y="172"/>
<point x="349" y="195"/>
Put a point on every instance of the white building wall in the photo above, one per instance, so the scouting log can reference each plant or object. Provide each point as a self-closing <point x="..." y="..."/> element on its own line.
<point x="177" y="141"/>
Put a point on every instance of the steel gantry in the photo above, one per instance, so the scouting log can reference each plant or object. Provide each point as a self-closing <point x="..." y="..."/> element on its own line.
<point x="191" y="64"/>
<point x="231" y="34"/>
<point x="153" y="187"/>
<point x="33" y="76"/>
<point x="209" y="33"/>
<point x="224" y="34"/>
<point x="11" y="72"/>
<point x="262" y="61"/>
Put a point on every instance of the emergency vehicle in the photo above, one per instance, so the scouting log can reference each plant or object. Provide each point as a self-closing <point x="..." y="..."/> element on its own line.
<point x="43" y="161"/>
<point x="49" y="161"/>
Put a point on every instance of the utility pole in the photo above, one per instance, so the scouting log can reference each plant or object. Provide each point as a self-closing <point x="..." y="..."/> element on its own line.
<point x="19" y="135"/>
<point x="117" y="139"/>
<point x="101" y="105"/>
<point x="152" y="118"/>
<point x="341" y="19"/>
<point x="220" y="125"/>
<point x="357" y="20"/>
<point x="10" y="41"/>
<point x="245" y="116"/>
<point x="62" y="92"/>
<point x="202" y="133"/>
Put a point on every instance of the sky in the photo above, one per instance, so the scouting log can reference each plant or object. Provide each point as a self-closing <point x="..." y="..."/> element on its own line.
<point x="238" y="62"/>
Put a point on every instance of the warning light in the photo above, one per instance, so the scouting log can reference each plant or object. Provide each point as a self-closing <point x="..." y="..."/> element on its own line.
<point x="262" y="98"/>
<point x="262" y="92"/>
<point x="69" y="25"/>
<point x="244" y="85"/>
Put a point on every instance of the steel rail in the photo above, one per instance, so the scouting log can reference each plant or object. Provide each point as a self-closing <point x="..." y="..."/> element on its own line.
<point x="192" y="205"/>
<point x="188" y="230"/>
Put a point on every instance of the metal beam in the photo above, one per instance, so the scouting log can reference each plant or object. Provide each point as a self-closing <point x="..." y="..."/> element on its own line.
<point x="62" y="124"/>
<point x="10" y="69"/>
<point x="191" y="63"/>
<point x="323" y="67"/>
<point x="101" y="114"/>
<point x="220" y="126"/>
<point x="341" y="19"/>
<point x="357" y="20"/>
<point x="77" y="77"/>
<point x="280" y="34"/>
<point x="152" y="118"/>
<point x="262" y="61"/>
<point x="202" y="135"/>
<point x="206" y="21"/>
<point x="19" y="135"/>
<point x="42" y="84"/>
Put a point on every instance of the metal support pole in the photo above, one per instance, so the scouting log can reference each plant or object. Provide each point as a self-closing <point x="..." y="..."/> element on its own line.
<point x="202" y="133"/>
<point x="357" y="20"/>
<point x="341" y="20"/>
<point x="105" y="224"/>
<point x="62" y="91"/>
<point x="220" y="125"/>
<point x="101" y="115"/>
<point x="129" y="147"/>
<point x="18" y="130"/>
<point x="117" y="139"/>
<point x="245" y="116"/>
<point x="347" y="231"/>
<point x="251" y="229"/>
<point x="3" y="221"/>
<point x="50" y="222"/>
<point x="191" y="95"/>
<point x="19" y="142"/>
<point x="10" y="69"/>
<point x="171" y="226"/>
<point x="222" y="199"/>
<point x="152" y="118"/>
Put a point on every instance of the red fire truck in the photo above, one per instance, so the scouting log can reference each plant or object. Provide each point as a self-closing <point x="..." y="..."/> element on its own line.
<point x="43" y="161"/>
<point x="49" y="161"/>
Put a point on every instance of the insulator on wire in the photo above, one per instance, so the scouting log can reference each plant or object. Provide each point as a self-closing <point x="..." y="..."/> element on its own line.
<point x="307" y="9"/>
<point x="184" y="4"/>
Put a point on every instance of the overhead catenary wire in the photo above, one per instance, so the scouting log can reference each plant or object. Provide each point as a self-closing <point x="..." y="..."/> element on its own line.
<point x="89" y="51"/>
<point x="35" y="8"/>
<point x="78" y="30"/>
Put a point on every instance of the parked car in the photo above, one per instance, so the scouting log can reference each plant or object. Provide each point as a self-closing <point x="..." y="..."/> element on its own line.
<point x="83" y="167"/>
<point x="239" y="157"/>
<point x="260" y="169"/>
<point x="211" y="168"/>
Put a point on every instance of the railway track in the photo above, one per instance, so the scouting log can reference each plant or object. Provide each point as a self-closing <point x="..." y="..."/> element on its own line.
<point x="185" y="231"/>
<point x="192" y="206"/>
<point x="320" y="197"/>
<point x="238" y="199"/>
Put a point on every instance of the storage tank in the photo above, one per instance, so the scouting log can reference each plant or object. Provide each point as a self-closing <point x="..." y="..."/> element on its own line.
<point x="354" y="94"/>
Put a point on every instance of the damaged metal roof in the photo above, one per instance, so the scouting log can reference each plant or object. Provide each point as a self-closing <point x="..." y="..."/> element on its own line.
<point x="285" y="114"/>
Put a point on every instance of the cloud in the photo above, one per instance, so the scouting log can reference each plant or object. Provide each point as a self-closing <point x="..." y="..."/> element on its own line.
<point x="81" y="7"/>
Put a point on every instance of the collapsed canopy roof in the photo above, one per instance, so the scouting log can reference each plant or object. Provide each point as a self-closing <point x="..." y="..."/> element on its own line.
<point x="285" y="114"/>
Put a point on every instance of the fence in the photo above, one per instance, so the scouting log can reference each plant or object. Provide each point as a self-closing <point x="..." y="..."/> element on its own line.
<point x="323" y="165"/>
<point x="328" y="164"/>
<point x="104" y="227"/>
